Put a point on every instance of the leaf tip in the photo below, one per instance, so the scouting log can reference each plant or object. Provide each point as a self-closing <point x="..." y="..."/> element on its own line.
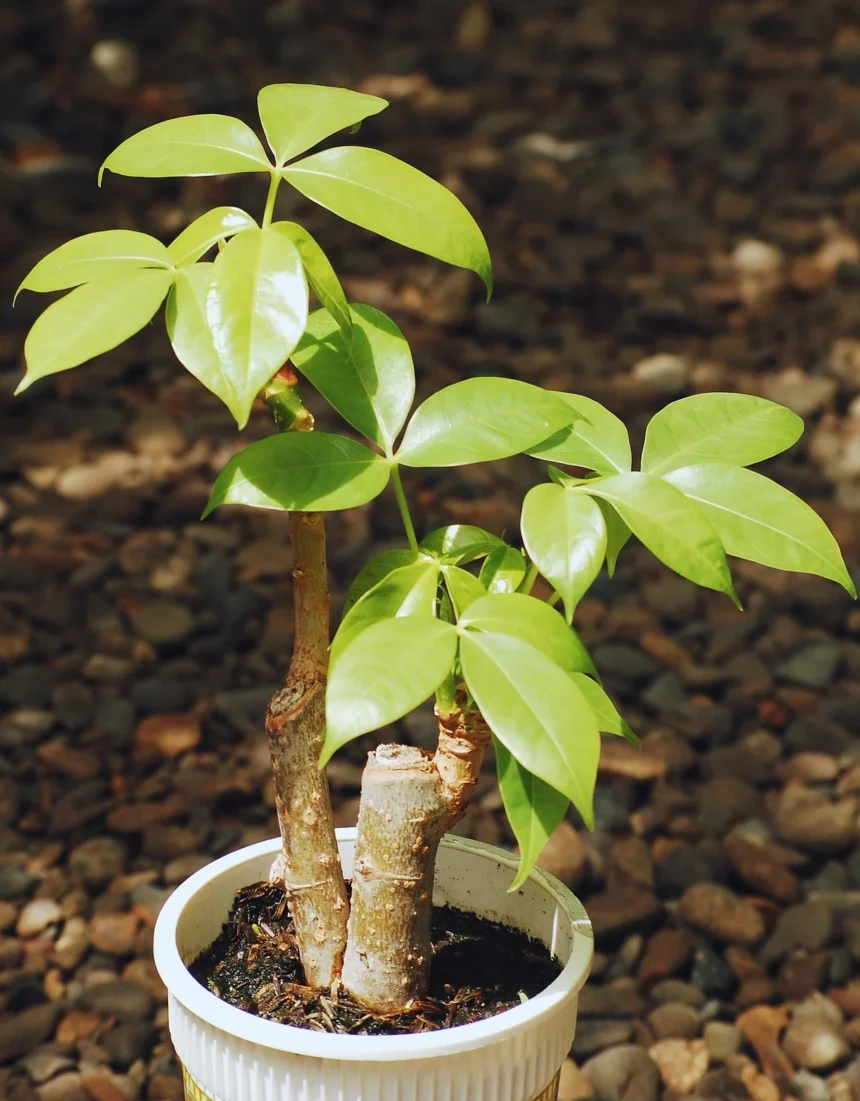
<point x="521" y="876"/>
<point x="23" y="385"/>
<point x="211" y="505"/>
<point x="847" y="584"/>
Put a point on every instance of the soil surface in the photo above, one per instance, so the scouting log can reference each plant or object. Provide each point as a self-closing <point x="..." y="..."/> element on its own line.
<point x="671" y="196"/>
<point x="480" y="968"/>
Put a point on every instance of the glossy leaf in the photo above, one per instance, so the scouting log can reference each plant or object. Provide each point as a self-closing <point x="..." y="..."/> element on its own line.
<point x="536" y="711"/>
<point x="530" y="619"/>
<point x="195" y="145"/>
<point x="370" y="380"/>
<point x="92" y="319"/>
<point x="503" y="570"/>
<point x="381" y="565"/>
<point x="672" y="527"/>
<point x="597" y="440"/>
<point x="761" y="521"/>
<point x="605" y="713"/>
<point x="407" y="590"/>
<point x="383" y="194"/>
<point x="96" y="256"/>
<point x="478" y="420"/>
<point x="565" y="536"/>
<point x="191" y="337"/>
<point x="617" y="535"/>
<point x="296" y="117"/>
<point x="256" y="306"/>
<point x="459" y="543"/>
<point x="320" y="274"/>
<point x="384" y="673"/>
<point x="704" y="428"/>
<point x="301" y="472"/>
<point x="463" y="588"/>
<point x="207" y="230"/>
<point x="534" y="809"/>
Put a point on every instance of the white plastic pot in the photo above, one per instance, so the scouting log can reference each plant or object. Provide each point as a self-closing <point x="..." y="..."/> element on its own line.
<point x="230" y="1055"/>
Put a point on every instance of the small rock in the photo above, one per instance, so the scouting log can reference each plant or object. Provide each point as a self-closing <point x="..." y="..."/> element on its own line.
<point x="72" y="944"/>
<point x="596" y="1033"/>
<point x="682" y="1063"/>
<point x="675" y="1020"/>
<point x="15" y="881"/>
<point x="681" y="867"/>
<point x="114" y="934"/>
<point x="615" y="999"/>
<point x="118" y="998"/>
<point x="803" y="393"/>
<point x="760" y="869"/>
<point x="808" y="819"/>
<point x="162" y="622"/>
<point x="43" y="1064"/>
<point x="168" y="735"/>
<point x="814" y="1036"/>
<point x="21" y="1032"/>
<point x="725" y="915"/>
<point x="812" y="666"/>
<point x="573" y="1084"/>
<point x="624" y="1073"/>
<point x="760" y="270"/>
<point x="98" y="860"/>
<point x="564" y="855"/>
<point x="666" y="952"/>
<point x="154" y="433"/>
<point x="711" y="974"/>
<point x="674" y="990"/>
<point x="722" y="1039"/>
<point x="36" y="916"/>
<point x="178" y="870"/>
<point x="117" y="60"/>
<point x="809" y="1087"/>
<point x="128" y="1042"/>
<point x="809" y="926"/>
<point x="66" y="1087"/>
<point x="762" y="1026"/>
<point x="663" y="374"/>
<point x="74" y="703"/>
<point x="621" y="910"/>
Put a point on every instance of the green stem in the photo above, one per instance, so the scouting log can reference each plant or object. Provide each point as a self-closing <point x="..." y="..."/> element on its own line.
<point x="274" y="183"/>
<point x="403" y="505"/>
<point x="525" y="585"/>
<point x="446" y="695"/>
<point x="553" y="597"/>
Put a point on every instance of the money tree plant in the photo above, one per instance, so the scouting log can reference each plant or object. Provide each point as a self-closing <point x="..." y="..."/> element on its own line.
<point x="451" y="615"/>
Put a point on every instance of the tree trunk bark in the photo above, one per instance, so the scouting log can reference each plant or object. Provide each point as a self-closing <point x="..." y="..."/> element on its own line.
<point x="408" y="802"/>
<point x="295" y="721"/>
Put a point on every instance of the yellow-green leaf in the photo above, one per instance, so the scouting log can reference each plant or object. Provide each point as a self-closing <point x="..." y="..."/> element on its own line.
<point x="196" y="145"/>
<point x="95" y="256"/>
<point x="207" y="230"/>
<point x="296" y="117"/>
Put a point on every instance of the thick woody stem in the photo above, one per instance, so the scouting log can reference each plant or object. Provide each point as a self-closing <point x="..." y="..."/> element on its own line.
<point x="408" y="802"/>
<point x="295" y="720"/>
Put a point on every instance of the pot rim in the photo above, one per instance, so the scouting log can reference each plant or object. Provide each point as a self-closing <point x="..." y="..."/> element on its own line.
<point x="324" y="1045"/>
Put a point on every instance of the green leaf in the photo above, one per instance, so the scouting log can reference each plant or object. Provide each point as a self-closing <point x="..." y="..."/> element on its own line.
<point x="617" y="534"/>
<point x="565" y="536"/>
<point x="96" y="256"/>
<point x="381" y="565"/>
<point x="478" y="420"/>
<point x="534" y="809"/>
<point x="597" y="440"/>
<point x="196" y="145"/>
<point x="761" y="521"/>
<point x="529" y="619"/>
<point x="301" y="472"/>
<point x="296" y="117"/>
<point x="503" y="570"/>
<point x="256" y="307"/>
<point x="369" y="381"/>
<point x="605" y="713"/>
<point x="536" y="711"/>
<point x="191" y="338"/>
<point x="672" y="527"/>
<point x="408" y="590"/>
<point x="463" y="588"/>
<point x="320" y="274"/>
<point x="459" y="543"/>
<point x="381" y="193"/>
<point x="704" y="428"/>
<point x="384" y="673"/>
<point x="92" y="319"/>
<point x="207" y="230"/>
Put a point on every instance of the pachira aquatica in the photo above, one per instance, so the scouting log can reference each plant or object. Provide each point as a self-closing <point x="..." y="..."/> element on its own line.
<point x="452" y="614"/>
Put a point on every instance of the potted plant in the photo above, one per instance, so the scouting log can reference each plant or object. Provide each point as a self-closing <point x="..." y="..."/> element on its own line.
<point x="452" y="614"/>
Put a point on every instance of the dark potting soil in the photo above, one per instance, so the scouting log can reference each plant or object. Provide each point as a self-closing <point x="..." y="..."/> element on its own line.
<point x="479" y="969"/>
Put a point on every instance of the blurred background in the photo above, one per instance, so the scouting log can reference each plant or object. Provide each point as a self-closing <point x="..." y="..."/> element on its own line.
<point x="671" y="195"/>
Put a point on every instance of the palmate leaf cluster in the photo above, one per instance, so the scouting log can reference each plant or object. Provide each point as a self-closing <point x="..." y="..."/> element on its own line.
<point x="452" y="615"/>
